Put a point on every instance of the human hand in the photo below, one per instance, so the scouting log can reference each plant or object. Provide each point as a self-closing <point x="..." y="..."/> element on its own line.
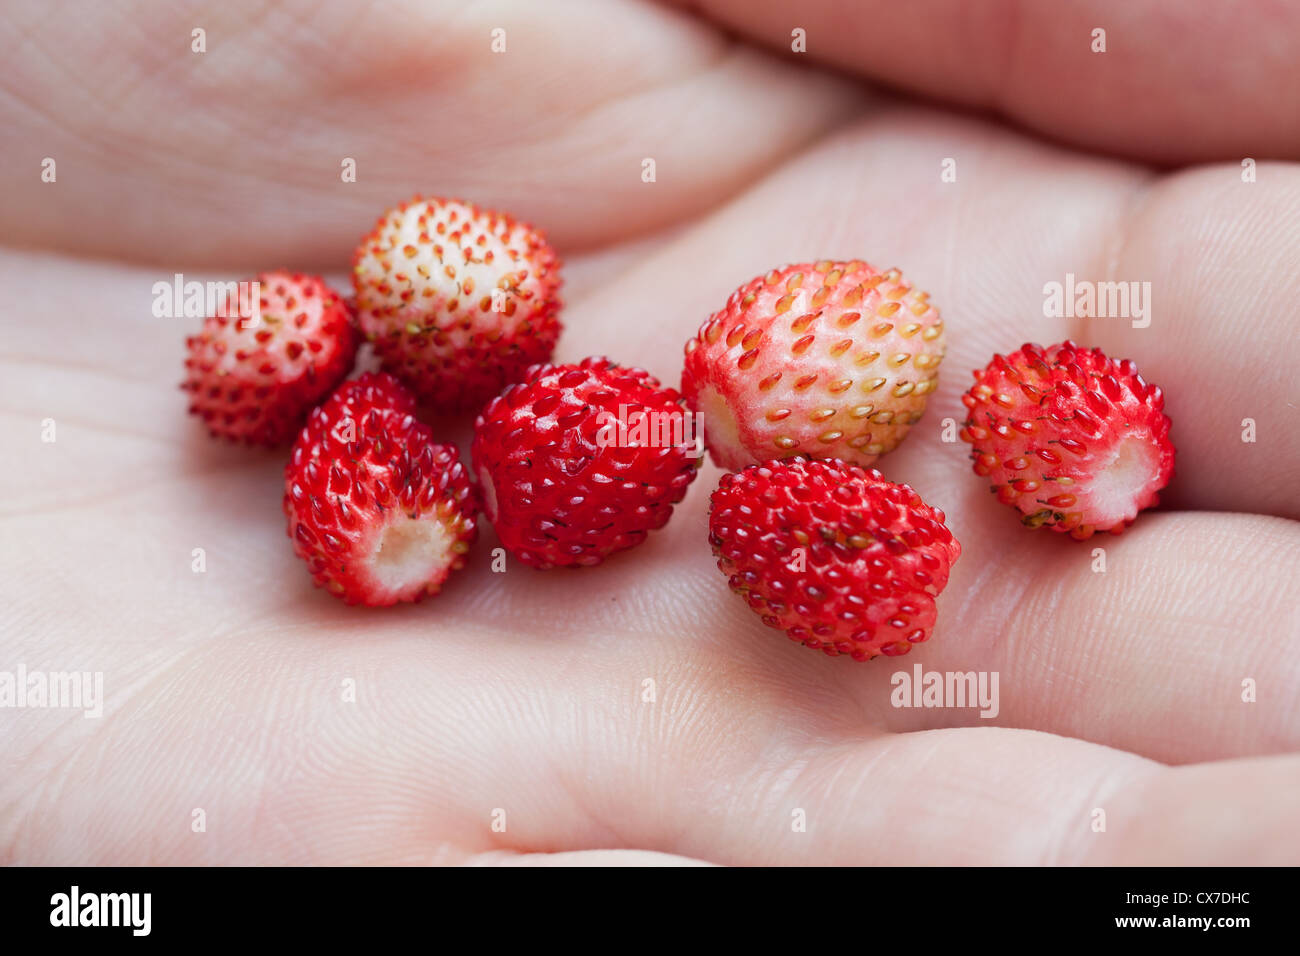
<point x="524" y="691"/>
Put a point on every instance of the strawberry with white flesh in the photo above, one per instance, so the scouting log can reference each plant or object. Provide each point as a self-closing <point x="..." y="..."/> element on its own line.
<point x="380" y="512"/>
<point x="825" y="359"/>
<point x="457" y="301"/>
<point x="1073" y="440"/>
<point x="253" y="374"/>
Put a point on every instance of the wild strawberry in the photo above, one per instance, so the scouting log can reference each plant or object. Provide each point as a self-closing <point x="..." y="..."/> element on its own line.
<point x="1075" y="441"/>
<point x="580" y="461"/>
<point x="826" y="359"/>
<point x="457" y="301"/>
<point x="833" y="554"/>
<point x="380" y="512"/>
<point x="329" y="435"/>
<point x="252" y="374"/>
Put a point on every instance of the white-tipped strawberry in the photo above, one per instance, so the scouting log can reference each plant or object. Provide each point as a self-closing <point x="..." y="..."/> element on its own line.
<point x="254" y="374"/>
<point x="825" y="359"/>
<point x="1075" y="441"/>
<point x="458" y="301"/>
<point x="380" y="512"/>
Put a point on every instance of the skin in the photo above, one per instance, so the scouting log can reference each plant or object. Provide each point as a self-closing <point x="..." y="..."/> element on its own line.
<point x="1120" y="691"/>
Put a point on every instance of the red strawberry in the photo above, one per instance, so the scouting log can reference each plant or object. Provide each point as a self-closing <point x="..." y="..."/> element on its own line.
<point x="1074" y="440"/>
<point x="833" y="554"/>
<point x="329" y="435"/>
<point x="253" y="377"/>
<point x="826" y="359"/>
<point x="562" y="483"/>
<point x="458" y="301"/>
<point x="379" y="511"/>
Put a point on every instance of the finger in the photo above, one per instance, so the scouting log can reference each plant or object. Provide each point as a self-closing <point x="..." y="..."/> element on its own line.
<point x="236" y="156"/>
<point x="1236" y="810"/>
<point x="1218" y="255"/>
<point x="1175" y="640"/>
<point x="993" y="797"/>
<point x="717" y="768"/>
<point x="1218" y="258"/>
<point x="1174" y="83"/>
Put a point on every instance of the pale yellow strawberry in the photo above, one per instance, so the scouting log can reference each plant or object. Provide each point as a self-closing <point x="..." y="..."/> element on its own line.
<point x="457" y="301"/>
<point x="826" y="359"/>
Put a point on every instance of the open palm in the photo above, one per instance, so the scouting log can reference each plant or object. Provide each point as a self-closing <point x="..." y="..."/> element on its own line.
<point x="639" y="706"/>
